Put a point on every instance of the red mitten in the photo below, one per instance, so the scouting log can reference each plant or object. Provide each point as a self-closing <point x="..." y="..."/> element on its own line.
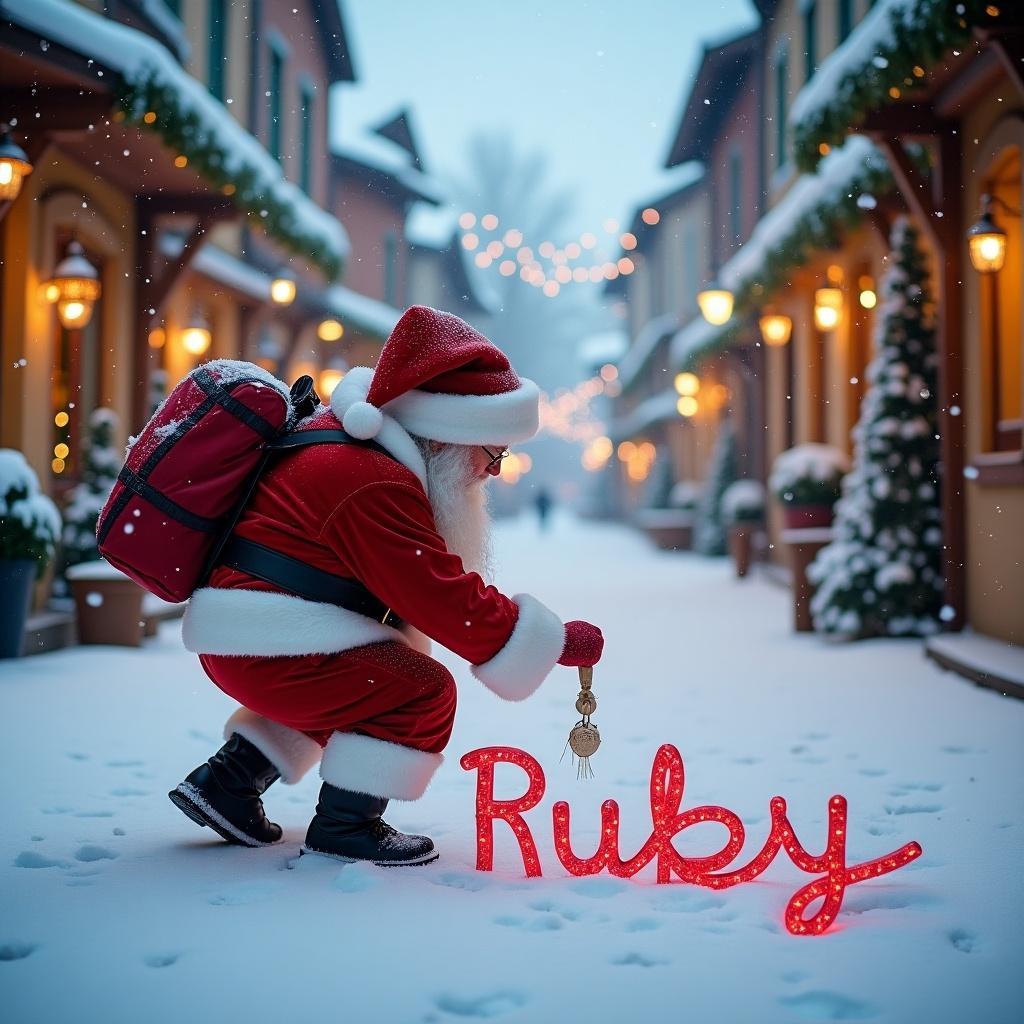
<point x="583" y="644"/>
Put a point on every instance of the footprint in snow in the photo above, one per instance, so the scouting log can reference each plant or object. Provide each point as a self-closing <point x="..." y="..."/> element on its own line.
<point x="960" y="939"/>
<point x="119" y="832"/>
<point x="818" y="1006"/>
<point x="863" y="901"/>
<point x="31" y="859"/>
<point x="687" y="902"/>
<point x="460" y="880"/>
<point x="129" y="791"/>
<point x="637" y="960"/>
<point x="881" y="830"/>
<point x="913" y="808"/>
<point x="90" y="852"/>
<point x="78" y="757"/>
<point x="161" y="959"/>
<point x="244" y="893"/>
<point x="16" y="950"/>
<point x="94" y="814"/>
<point x="494" y="1004"/>
<point x="643" y="924"/>
<point x="544" y="923"/>
<point x="598" y="888"/>
<point x="550" y="907"/>
<point x="357" y="878"/>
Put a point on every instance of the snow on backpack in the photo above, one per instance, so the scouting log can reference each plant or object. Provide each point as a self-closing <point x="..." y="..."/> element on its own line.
<point x="191" y="470"/>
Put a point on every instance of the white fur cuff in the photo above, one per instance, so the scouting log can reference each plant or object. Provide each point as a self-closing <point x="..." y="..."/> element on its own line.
<point x="531" y="652"/>
<point x="364" y="764"/>
<point x="291" y="752"/>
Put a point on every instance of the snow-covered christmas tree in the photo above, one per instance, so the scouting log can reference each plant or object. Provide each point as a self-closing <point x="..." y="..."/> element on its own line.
<point x="882" y="575"/>
<point x="709" y="535"/>
<point x="102" y="463"/>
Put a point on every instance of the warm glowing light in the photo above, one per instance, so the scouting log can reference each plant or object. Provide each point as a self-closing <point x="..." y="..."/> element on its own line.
<point x="467" y="220"/>
<point x="824" y="148"/>
<point x="330" y="330"/>
<point x="495" y="249"/>
<point x="611" y="226"/>
<point x="483" y="259"/>
<point x="687" y="383"/>
<point x="157" y="338"/>
<point x="828" y="304"/>
<point x="228" y="189"/>
<point x="715" y="305"/>
<point x="14" y="166"/>
<point x="573" y="250"/>
<point x="62" y="451"/>
<point x="75" y="287"/>
<point x="196" y="340"/>
<point x="894" y="93"/>
<point x="558" y="257"/>
<point x="626" y="451"/>
<point x="719" y="396"/>
<point x="57" y="465"/>
<point x="834" y="274"/>
<point x="563" y="275"/>
<point x="328" y="379"/>
<point x="470" y="241"/>
<point x="776" y="328"/>
<point x="283" y="289"/>
<point x="650" y="215"/>
<point x="513" y="237"/>
<point x="627" y="240"/>
<point x="149" y="117"/>
<point x="507" y="268"/>
<point x="667" y="785"/>
<point x="687" y="406"/>
<point x="73" y="313"/>
<point x="609" y="372"/>
<point x="580" y="274"/>
<point x="986" y="241"/>
<point x="525" y="255"/>
<point x="611" y="271"/>
<point x="868" y="299"/>
<point x="588" y="240"/>
<point x="489" y="221"/>
<point x="625" y="265"/>
<point x="546" y="249"/>
<point x="61" y="419"/>
<point x="551" y="288"/>
<point x="596" y="273"/>
<point x="181" y="161"/>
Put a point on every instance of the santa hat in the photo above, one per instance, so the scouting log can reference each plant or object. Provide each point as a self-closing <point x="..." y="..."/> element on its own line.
<point x="439" y="379"/>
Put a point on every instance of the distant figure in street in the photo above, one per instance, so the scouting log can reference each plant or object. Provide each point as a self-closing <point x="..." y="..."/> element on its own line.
<point x="543" y="503"/>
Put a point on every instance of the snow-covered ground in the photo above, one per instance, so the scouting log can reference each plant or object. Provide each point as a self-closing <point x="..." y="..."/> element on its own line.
<point x="114" y="907"/>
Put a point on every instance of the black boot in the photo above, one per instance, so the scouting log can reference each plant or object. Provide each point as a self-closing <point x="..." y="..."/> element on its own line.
<point x="348" y="826"/>
<point x="225" y="794"/>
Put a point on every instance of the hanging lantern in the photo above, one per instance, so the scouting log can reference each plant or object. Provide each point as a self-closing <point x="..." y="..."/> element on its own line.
<point x="14" y="166"/>
<point x="75" y="288"/>
<point x="283" y="288"/>
<point x="715" y="304"/>
<point x="986" y="241"/>
<point x="196" y="338"/>
<point x="776" y="329"/>
<point x="828" y="304"/>
<point x="330" y="330"/>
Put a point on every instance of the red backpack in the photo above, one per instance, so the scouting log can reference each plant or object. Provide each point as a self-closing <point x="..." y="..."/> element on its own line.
<point x="191" y="470"/>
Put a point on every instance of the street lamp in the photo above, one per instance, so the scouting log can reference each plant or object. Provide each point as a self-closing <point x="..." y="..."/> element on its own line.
<point x="283" y="288"/>
<point x="74" y="287"/>
<point x="196" y="338"/>
<point x="687" y="384"/>
<point x="14" y="165"/>
<point x="986" y="240"/>
<point x="715" y="304"/>
<point x="828" y="304"/>
<point x="776" y="329"/>
<point x="331" y="376"/>
<point x="330" y="330"/>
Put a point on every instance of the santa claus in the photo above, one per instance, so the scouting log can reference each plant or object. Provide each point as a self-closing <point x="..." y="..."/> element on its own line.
<point x="348" y="560"/>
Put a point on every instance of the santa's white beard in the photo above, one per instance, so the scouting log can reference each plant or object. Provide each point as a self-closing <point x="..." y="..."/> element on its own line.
<point x="459" y="501"/>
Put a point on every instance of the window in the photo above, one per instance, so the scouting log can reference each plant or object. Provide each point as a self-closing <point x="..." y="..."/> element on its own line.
<point x="845" y="19"/>
<point x="735" y="195"/>
<point x="274" y="102"/>
<point x="216" y="55"/>
<point x="810" y="41"/>
<point x="306" y="116"/>
<point x="781" y="76"/>
<point x="390" y="268"/>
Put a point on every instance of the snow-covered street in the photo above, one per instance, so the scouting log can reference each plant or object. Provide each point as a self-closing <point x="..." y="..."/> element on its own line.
<point x="114" y="907"/>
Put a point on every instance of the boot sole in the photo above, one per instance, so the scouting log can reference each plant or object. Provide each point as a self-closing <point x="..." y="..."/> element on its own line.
<point x="190" y="802"/>
<point x="427" y="858"/>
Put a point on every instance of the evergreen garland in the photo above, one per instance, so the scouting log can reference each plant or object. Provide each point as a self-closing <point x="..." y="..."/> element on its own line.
<point x="103" y="461"/>
<point x="710" y="532"/>
<point x="922" y="34"/>
<point x="882" y="575"/>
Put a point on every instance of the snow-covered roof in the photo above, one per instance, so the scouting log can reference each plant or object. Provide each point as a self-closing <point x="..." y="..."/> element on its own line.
<point x="602" y="347"/>
<point x="148" y="66"/>
<point x="218" y="265"/>
<point x="696" y="338"/>
<point x="647" y="341"/>
<point x="648" y="413"/>
<point x="366" y="314"/>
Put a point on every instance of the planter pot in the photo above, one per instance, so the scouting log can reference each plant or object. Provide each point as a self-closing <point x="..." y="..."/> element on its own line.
<point x="108" y="605"/>
<point x="806" y="517"/>
<point x="668" y="529"/>
<point x="741" y="537"/>
<point x="17" y="577"/>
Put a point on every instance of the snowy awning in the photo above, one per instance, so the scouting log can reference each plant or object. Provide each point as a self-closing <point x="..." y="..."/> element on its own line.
<point x="656" y="409"/>
<point x="192" y="121"/>
<point x="220" y="266"/>
<point x="699" y="338"/>
<point x="647" y="342"/>
<point x="365" y="314"/>
<point x="390" y="161"/>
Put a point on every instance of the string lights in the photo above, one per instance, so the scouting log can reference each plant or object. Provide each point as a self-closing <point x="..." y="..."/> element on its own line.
<point x="666" y="795"/>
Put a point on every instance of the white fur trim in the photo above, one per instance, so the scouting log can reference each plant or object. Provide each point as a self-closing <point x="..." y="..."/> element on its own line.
<point x="364" y="764"/>
<point x="470" y="419"/>
<point x="352" y="388"/>
<point x="362" y="420"/>
<point x="291" y="752"/>
<point x="255" y="622"/>
<point x="530" y="653"/>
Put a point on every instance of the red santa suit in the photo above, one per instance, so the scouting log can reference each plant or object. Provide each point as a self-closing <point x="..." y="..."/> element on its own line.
<point x="318" y="682"/>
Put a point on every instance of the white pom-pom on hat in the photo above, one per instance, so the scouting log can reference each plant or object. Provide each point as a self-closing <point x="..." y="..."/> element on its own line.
<point x="362" y="420"/>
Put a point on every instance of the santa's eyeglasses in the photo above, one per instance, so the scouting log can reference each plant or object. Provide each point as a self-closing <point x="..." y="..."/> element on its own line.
<point x="495" y="457"/>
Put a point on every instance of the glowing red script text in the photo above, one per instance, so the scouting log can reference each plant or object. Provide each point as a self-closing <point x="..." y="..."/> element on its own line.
<point x="667" y="781"/>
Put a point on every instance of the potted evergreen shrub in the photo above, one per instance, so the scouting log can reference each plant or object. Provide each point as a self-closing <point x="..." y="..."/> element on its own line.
<point x="743" y="511"/>
<point x="668" y="520"/>
<point x="29" y="530"/>
<point x="806" y="479"/>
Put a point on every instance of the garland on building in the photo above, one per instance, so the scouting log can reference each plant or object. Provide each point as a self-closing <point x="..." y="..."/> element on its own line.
<point x="151" y="103"/>
<point x="882" y="575"/>
<point x="904" y="41"/>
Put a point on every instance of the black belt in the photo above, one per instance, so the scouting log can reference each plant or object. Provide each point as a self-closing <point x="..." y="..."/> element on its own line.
<point x="304" y="580"/>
